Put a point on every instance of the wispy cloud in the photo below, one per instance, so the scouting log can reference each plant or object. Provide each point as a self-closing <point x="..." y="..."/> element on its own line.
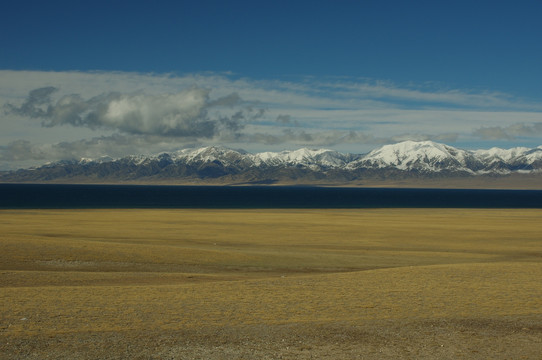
<point x="513" y="131"/>
<point x="429" y="95"/>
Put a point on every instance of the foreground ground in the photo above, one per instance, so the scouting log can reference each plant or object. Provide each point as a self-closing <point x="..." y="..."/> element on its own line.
<point x="271" y="284"/>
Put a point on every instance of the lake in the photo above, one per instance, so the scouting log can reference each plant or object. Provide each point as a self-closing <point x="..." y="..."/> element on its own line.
<point x="56" y="196"/>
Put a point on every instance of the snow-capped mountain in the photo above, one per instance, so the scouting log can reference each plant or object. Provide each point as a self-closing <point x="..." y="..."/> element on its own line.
<point x="309" y="158"/>
<point x="314" y="159"/>
<point x="498" y="154"/>
<point x="510" y="160"/>
<point x="425" y="156"/>
<point x="408" y="158"/>
<point x="209" y="154"/>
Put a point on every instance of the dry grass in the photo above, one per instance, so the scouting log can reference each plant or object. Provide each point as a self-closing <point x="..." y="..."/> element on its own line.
<point x="266" y="284"/>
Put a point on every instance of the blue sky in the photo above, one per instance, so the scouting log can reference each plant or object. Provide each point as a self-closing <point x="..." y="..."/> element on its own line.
<point x="132" y="76"/>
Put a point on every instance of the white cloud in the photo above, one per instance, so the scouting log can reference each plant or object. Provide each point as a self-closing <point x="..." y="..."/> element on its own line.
<point x="181" y="114"/>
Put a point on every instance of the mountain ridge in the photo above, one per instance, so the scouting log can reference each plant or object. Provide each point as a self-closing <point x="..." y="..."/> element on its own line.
<point x="404" y="160"/>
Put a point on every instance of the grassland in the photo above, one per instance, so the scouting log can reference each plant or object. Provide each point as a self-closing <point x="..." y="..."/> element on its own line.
<point x="270" y="284"/>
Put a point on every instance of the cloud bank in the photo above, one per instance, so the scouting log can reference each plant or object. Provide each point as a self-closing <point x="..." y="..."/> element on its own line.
<point x="511" y="132"/>
<point x="181" y="114"/>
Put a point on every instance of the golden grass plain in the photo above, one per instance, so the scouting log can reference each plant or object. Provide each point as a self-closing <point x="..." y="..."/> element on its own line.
<point x="269" y="284"/>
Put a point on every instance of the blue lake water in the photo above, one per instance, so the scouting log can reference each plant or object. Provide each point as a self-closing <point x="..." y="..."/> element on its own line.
<point x="53" y="196"/>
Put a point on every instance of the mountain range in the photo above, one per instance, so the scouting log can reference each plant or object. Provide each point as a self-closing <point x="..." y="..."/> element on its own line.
<point x="214" y="164"/>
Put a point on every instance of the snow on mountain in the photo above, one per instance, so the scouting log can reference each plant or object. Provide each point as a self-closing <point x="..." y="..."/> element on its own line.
<point x="424" y="155"/>
<point x="207" y="154"/>
<point x="532" y="156"/>
<point x="315" y="159"/>
<point x="138" y="159"/>
<point x="529" y="160"/>
<point x="302" y="157"/>
<point x="502" y="161"/>
<point x="498" y="154"/>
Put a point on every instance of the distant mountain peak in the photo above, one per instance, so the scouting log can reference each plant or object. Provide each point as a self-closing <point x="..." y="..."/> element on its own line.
<point x="421" y="155"/>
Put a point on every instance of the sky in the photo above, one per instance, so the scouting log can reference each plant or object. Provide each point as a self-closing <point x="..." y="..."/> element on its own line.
<point x="82" y="79"/>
